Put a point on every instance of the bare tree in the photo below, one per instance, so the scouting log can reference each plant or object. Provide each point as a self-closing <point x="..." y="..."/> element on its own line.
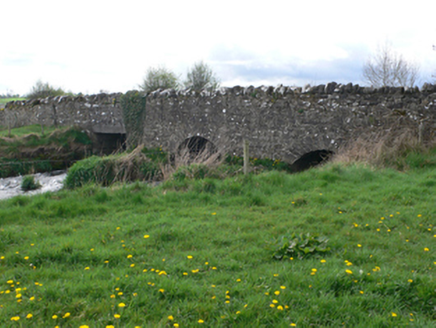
<point x="159" y="78"/>
<point x="201" y="77"/>
<point x="387" y="68"/>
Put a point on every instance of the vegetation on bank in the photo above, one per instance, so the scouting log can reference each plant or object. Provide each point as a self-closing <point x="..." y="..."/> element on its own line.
<point x="240" y="251"/>
<point x="29" y="151"/>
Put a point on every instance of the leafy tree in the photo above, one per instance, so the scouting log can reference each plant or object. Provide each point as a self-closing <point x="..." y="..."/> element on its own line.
<point x="159" y="78"/>
<point x="200" y="77"/>
<point x="388" y="68"/>
<point x="44" y="90"/>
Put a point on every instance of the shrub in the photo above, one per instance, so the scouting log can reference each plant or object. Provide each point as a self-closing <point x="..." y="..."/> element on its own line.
<point x="106" y="170"/>
<point x="29" y="183"/>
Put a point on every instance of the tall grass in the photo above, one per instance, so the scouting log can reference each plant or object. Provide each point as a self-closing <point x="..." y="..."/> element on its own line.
<point x="200" y="252"/>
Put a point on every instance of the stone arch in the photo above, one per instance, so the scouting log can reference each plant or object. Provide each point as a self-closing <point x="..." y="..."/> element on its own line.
<point x="311" y="159"/>
<point x="196" y="146"/>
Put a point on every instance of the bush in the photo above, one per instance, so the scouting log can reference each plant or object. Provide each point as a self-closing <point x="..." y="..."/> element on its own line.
<point x="106" y="170"/>
<point x="29" y="183"/>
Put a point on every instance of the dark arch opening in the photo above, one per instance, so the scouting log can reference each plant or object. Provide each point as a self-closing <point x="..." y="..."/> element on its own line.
<point x="197" y="146"/>
<point x="311" y="159"/>
<point x="107" y="143"/>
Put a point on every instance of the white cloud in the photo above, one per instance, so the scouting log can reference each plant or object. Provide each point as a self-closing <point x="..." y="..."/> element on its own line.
<point x="92" y="45"/>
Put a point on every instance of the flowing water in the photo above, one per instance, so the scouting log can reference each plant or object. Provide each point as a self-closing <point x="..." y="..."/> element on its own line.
<point x="10" y="187"/>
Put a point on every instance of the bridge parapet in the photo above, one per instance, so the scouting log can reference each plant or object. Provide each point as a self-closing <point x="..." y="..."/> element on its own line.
<point x="279" y="122"/>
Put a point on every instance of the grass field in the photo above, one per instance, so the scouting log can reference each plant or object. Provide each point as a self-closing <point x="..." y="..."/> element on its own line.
<point x="200" y="253"/>
<point x="6" y="100"/>
<point x="29" y="129"/>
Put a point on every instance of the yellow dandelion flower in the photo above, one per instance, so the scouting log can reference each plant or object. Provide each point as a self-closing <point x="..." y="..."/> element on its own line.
<point x="238" y="280"/>
<point x="190" y="257"/>
<point x="410" y="280"/>
<point x="323" y="261"/>
<point x="84" y="326"/>
<point x="280" y="308"/>
<point x="32" y="298"/>
<point x="213" y="268"/>
<point x="29" y="316"/>
<point x="10" y="282"/>
<point x="195" y="271"/>
<point x="170" y="317"/>
<point x="426" y="249"/>
<point x="66" y="315"/>
<point x="282" y="287"/>
<point x="361" y="292"/>
<point x="200" y="321"/>
<point x="185" y="273"/>
<point x="54" y="317"/>
<point x="146" y="236"/>
<point x="110" y="326"/>
<point x="26" y="258"/>
<point x="120" y="293"/>
<point x="132" y="265"/>
<point x="161" y="290"/>
<point x="129" y="256"/>
<point x="121" y="305"/>
<point x="176" y="325"/>
<point x="16" y="318"/>
<point x="117" y="316"/>
<point x="276" y="274"/>
<point x="87" y="268"/>
<point x="272" y="305"/>
<point x="358" y="245"/>
<point x="162" y="273"/>
<point x="394" y="314"/>
<point x="349" y="271"/>
<point x="227" y="302"/>
<point x="238" y="312"/>
<point x="293" y="325"/>
<point x="275" y="301"/>
<point x="277" y="292"/>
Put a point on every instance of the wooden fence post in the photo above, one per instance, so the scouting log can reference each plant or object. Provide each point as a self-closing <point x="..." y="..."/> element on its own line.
<point x="246" y="156"/>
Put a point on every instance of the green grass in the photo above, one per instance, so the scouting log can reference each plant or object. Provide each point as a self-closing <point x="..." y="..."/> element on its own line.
<point x="29" y="129"/>
<point x="6" y="100"/>
<point x="200" y="252"/>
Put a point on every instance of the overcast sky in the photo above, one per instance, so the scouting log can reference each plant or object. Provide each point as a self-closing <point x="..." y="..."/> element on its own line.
<point x="93" y="45"/>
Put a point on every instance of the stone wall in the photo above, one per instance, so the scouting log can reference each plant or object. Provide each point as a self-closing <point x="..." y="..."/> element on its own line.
<point x="279" y="122"/>
<point x="286" y="123"/>
<point x="97" y="113"/>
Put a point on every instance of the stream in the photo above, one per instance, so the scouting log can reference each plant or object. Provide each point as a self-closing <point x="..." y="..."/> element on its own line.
<point x="53" y="181"/>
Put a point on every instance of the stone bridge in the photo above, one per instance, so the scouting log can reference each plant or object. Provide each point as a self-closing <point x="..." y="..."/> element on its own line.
<point x="278" y="122"/>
